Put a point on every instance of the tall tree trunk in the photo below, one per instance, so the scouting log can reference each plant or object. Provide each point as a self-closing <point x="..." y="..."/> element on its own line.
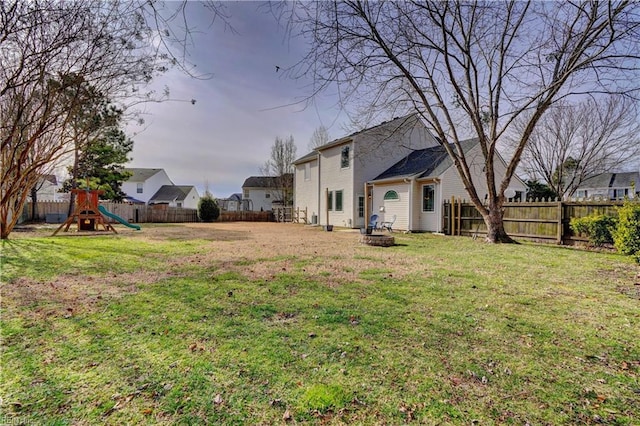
<point x="34" y="203"/>
<point x="495" y="224"/>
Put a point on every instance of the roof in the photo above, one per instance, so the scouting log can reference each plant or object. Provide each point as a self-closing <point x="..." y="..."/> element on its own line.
<point x="266" y="181"/>
<point x="386" y="127"/>
<point x="132" y="200"/>
<point x="52" y="179"/>
<point x="432" y="161"/>
<point x="612" y="180"/>
<point x="307" y="157"/>
<point x="169" y="193"/>
<point x="140" y="174"/>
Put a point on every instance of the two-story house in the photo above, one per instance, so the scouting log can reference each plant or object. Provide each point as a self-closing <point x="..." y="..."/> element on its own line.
<point x="144" y="183"/>
<point x="153" y="186"/>
<point x="262" y="193"/>
<point x="397" y="171"/>
<point x="330" y="181"/>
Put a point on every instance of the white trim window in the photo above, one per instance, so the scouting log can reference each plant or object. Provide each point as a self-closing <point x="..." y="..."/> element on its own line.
<point x="429" y="198"/>
<point x="344" y="157"/>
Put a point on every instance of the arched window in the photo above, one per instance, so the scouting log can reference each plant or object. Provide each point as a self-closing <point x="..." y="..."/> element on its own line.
<point x="391" y="195"/>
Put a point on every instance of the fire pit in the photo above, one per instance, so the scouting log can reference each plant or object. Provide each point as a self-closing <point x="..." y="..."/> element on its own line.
<point x="377" y="240"/>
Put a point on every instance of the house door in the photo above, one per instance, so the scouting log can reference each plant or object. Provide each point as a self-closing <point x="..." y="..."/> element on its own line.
<point x="360" y="220"/>
<point x="429" y="217"/>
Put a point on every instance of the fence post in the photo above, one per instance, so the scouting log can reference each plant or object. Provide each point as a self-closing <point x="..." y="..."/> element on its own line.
<point x="560" y="222"/>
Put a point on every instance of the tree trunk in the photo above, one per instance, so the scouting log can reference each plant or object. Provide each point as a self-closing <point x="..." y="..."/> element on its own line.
<point x="34" y="204"/>
<point x="495" y="225"/>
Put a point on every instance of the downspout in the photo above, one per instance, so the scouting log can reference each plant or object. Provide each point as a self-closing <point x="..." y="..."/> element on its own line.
<point x="412" y="182"/>
<point x="319" y="192"/>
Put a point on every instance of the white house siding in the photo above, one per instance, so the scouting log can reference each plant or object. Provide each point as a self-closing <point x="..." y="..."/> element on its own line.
<point x="259" y="199"/>
<point x="386" y="209"/>
<point x="335" y="178"/>
<point x="191" y="200"/>
<point x="375" y="153"/>
<point x="149" y="188"/>
<point x="306" y="191"/>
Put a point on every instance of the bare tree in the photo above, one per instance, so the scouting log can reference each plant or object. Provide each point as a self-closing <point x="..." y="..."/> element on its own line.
<point x="280" y="167"/>
<point x="470" y="68"/>
<point x="574" y="142"/>
<point x="48" y="50"/>
<point x="319" y="137"/>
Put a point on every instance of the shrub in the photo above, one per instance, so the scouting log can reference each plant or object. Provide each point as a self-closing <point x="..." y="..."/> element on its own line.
<point x="626" y="236"/>
<point x="208" y="209"/>
<point x="598" y="227"/>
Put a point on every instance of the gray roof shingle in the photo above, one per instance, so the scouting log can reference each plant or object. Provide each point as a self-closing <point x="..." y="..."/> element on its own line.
<point x="169" y="193"/>
<point x="141" y="174"/>
<point x="385" y="128"/>
<point x="612" y="180"/>
<point x="426" y="162"/>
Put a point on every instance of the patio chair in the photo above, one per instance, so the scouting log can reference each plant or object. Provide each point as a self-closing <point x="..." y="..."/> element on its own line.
<point x="373" y="221"/>
<point x="388" y="225"/>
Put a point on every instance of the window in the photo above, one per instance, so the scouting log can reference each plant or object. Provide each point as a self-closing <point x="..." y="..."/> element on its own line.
<point x="245" y="193"/>
<point x="139" y="188"/>
<point x="428" y="198"/>
<point x="330" y="201"/>
<point x="338" y="201"/>
<point x="344" y="159"/>
<point x="361" y="206"/>
<point x="618" y="194"/>
<point x="179" y="204"/>
<point x="307" y="171"/>
<point x="391" y="195"/>
<point x="582" y="193"/>
<point x="267" y="195"/>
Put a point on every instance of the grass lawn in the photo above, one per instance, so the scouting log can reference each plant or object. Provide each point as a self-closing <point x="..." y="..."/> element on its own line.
<point x="272" y="323"/>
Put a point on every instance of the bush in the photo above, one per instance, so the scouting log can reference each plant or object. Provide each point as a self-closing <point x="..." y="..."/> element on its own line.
<point x="626" y="236"/>
<point x="208" y="209"/>
<point x="598" y="227"/>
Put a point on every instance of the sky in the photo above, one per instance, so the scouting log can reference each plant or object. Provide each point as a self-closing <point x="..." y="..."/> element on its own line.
<point x="226" y="136"/>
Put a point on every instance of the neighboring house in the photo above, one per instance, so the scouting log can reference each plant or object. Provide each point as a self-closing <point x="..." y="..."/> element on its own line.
<point x="47" y="189"/>
<point x="234" y="203"/>
<point x="262" y="193"/>
<point x="414" y="188"/>
<point x="144" y="183"/>
<point x="610" y="186"/>
<point x="397" y="168"/>
<point x="185" y="196"/>
<point x="330" y="181"/>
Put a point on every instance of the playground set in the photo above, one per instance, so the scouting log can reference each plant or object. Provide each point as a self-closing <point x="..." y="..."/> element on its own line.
<point x="88" y="214"/>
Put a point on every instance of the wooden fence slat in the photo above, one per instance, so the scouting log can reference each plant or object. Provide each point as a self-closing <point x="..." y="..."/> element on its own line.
<point x="538" y="220"/>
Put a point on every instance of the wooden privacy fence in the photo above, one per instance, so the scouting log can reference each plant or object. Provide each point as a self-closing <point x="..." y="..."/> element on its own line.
<point x="56" y="212"/>
<point x="245" y="216"/>
<point x="545" y="221"/>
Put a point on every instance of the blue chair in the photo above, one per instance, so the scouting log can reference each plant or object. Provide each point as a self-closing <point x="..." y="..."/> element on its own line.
<point x="373" y="221"/>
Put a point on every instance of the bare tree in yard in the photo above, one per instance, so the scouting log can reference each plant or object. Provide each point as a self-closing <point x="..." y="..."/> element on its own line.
<point x="470" y="68"/>
<point x="319" y="137"/>
<point x="280" y="166"/>
<point x="574" y="142"/>
<point x="49" y="50"/>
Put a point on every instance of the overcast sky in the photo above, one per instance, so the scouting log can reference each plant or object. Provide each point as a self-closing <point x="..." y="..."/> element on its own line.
<point x="227" y="135"/>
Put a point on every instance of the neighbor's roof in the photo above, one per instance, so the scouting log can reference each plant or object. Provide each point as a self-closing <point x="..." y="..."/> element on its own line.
<point x="265" y="181"/>
<point x="612" y="180"/>
<point x="384" y="128"/>
<point x="169" y="193"/>
<point x="141" y="175"/>
<point x="432" y="161"/>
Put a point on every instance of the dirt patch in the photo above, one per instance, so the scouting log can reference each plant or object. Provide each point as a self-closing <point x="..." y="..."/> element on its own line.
<point x="254" y="250"/>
